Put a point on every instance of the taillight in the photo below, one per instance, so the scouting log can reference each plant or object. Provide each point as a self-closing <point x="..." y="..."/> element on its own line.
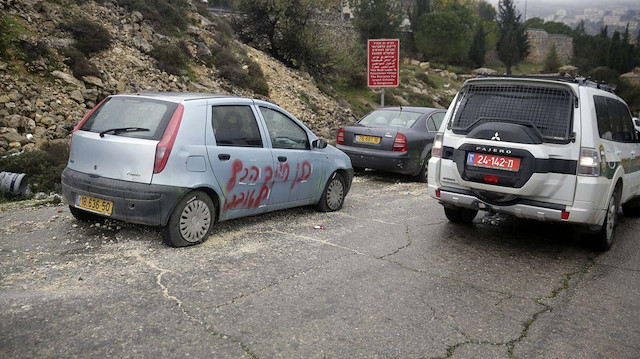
<point x="400" y="143"/>
<point x="86" y="117"/>
<point x="436" y="149"/>
<point x="340" y="139"/>
<point x="589" y="162"/>
<point x="163" y="149"/>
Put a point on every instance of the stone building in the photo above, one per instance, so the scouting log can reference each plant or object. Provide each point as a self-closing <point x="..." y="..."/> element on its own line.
<point x="540" y="43"/>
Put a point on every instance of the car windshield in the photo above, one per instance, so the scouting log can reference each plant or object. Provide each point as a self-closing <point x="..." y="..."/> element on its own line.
<point x="118" y="113"/>
<point x="548" y="109"/>
<point x="394" y="118"/>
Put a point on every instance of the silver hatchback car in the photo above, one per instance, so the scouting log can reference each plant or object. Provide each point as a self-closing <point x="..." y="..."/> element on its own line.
<point x="187" y="160"/>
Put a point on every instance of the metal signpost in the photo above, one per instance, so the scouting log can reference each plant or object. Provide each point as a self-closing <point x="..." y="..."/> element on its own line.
<point x="383" y="64"/>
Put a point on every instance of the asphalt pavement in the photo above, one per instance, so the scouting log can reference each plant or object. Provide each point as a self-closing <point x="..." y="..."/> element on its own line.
<point x="386" y="277"/>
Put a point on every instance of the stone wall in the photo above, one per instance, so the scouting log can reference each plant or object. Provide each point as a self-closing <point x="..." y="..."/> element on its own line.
<point x="540" y="43"/>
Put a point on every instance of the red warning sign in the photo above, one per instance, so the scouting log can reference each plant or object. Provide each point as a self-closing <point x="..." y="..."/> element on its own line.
<point x="383" y="63"/>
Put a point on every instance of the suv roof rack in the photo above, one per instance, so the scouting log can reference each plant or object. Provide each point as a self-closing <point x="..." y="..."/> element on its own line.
<point x="580" y="80"/>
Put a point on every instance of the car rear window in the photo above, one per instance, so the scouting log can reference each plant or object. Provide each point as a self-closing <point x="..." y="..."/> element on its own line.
<point x="548" y="109"/>
<point x="123" y="112"/>
<point x="390" y="118"/>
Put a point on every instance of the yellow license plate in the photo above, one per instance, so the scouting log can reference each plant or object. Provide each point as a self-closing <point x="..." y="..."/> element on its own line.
<point x="368" y="139"/>
<point x="94" y="204"/>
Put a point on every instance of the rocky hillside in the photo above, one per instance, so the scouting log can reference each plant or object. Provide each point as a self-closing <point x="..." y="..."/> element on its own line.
<point x="41" y="99"/>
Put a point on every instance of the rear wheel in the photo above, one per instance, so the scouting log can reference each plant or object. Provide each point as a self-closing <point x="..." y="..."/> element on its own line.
<point x="423" y="174"/>
<point x="84" y="216"/>
<point x="191" y="221"/>
<point x="333" y="195"/>
<point x="603" y="240"/>
<point x="460" y="215"/>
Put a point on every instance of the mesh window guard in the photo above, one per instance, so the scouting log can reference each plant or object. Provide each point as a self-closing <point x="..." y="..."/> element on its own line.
<point x="546" y="108"/>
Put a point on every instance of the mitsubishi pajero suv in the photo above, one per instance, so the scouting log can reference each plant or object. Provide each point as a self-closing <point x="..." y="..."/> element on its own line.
<point x="549" y="149"/>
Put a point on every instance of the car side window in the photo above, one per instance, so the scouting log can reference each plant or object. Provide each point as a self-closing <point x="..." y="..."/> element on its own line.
<point x="605" y="122"/>
<point x="283" y="131"/>
<point x="622" y="115"/>
<point x="235" y="125"/>
<point x="434" y="122"/>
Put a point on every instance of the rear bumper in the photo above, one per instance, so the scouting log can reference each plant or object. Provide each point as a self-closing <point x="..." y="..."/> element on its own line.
<point x="132" y="202"/>
<point x="581" y="213"/>
<point x="390" y="161"/>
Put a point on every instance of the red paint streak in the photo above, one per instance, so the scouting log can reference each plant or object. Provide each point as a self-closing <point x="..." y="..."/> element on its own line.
<point x="304" y="175"/>
<point x="236" y="167"/>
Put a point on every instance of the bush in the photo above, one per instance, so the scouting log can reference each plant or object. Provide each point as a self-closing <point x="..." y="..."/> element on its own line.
<point x="230" y="68"/>
<point x="552" y="63"/>
<point x="172" y="58"/>
<point x="42" y="167"/>
<point x="79" y="64"/>
<point x="168" y="17"/>
<point x="90" y="37"/>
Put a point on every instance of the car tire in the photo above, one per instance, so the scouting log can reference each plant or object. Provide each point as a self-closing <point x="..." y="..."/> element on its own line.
<point x="191" y="221"/>
<point x="603" y="240"/>
<point x="460" y="215"/>
<point x="333" y="195"/>
<point x="422" y="176"/>
<point x="84" y="216"/>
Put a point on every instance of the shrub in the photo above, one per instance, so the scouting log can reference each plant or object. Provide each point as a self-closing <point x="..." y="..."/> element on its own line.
<point x="230" y="68"/>
<point x="552" y="63"/>
<point x="168" y="17"/>
<point x="79" y="64"/>
<point x="90" y="37"/>
<point x="172" y="58"/>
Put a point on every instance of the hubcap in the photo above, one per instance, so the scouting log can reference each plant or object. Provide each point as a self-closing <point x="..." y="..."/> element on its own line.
<point x="611" y="218"/>
<point x="335" y="193"/>
<point x="195" y="221"/>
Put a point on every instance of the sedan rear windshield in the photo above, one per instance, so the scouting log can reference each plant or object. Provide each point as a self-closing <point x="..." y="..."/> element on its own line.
<point x="390" y="118"/>
<point x="547" y="109"/>
<point x="132" y="112"/>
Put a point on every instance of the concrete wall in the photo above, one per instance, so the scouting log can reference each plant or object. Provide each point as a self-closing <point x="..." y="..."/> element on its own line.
<point x="540" y="43"/>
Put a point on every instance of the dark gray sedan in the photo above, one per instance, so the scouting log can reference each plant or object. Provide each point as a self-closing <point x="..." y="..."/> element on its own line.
<point x="393" y="139"/>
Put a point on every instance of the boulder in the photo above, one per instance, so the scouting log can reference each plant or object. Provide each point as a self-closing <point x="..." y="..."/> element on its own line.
<point x="484" y="71"/>
<point x="92" y="80"/>
<point x="632" y="78"/>
<point x="67" y="78"/>
<point x="569" y="69"/>
<point x="77" y="96"/>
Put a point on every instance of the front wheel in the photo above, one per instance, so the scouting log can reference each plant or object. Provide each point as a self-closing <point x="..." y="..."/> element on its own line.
<point x="460" y="215"/>
<point x="603" y="240"/>
<point x="191" y="221"/>
<point x="333" y="194"/>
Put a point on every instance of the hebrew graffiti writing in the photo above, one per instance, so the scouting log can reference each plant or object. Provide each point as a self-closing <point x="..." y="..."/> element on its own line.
<point x="260" y="182"/>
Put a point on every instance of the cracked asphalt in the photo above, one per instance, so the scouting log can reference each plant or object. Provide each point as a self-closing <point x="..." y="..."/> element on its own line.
<point x="387" y="277"/>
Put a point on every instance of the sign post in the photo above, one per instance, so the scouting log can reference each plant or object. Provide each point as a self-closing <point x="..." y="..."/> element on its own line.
<point x="383" y="64"/>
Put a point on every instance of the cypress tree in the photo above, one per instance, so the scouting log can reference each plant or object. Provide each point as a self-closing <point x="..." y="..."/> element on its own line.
<point x="513" y="45"/>
<point x="477" y="50"/>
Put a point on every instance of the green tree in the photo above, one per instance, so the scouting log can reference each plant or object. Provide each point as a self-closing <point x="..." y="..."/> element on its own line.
<point x="376" y="19"/>
<point x="444" y="35"/>
<point x="552" y="63"/>
<point x="513" y="46"/>
<point x="534" y="23"/>
<point x="477" y="50"/>
<point x="486" y="11"/>
<point x="416" y="10"/>
<point x="287" y="29"/>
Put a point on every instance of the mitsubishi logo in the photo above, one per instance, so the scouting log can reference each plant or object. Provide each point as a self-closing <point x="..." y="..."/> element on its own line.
<point x="496" y="137"/>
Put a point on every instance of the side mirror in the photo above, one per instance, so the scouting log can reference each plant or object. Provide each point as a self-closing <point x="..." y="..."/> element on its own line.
<point x="319" y="143"/>
<point x="636" y="124"/>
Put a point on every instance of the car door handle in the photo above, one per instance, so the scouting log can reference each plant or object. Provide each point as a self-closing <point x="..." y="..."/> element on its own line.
<point x="224" y="156"/>
<point x="282" y="159"/>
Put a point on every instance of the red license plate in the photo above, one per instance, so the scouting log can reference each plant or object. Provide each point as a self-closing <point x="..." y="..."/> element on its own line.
<point x="493" y="161"/>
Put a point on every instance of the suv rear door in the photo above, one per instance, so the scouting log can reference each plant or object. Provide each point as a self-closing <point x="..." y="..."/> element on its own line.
<point x="119" y="138"/>
<point x="504" y="122"/>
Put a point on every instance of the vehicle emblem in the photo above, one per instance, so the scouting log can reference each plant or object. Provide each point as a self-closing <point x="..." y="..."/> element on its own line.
<point x="496" y="137"/>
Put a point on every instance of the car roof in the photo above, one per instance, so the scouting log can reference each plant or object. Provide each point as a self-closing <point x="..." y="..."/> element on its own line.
<point x="175" y="96"/>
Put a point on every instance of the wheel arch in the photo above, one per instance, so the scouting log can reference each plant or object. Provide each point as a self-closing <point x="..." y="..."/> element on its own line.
<point x="212" y="193"/>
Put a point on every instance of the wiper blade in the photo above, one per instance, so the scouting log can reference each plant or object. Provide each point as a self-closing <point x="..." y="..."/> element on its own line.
<point x="116" y="131"/>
